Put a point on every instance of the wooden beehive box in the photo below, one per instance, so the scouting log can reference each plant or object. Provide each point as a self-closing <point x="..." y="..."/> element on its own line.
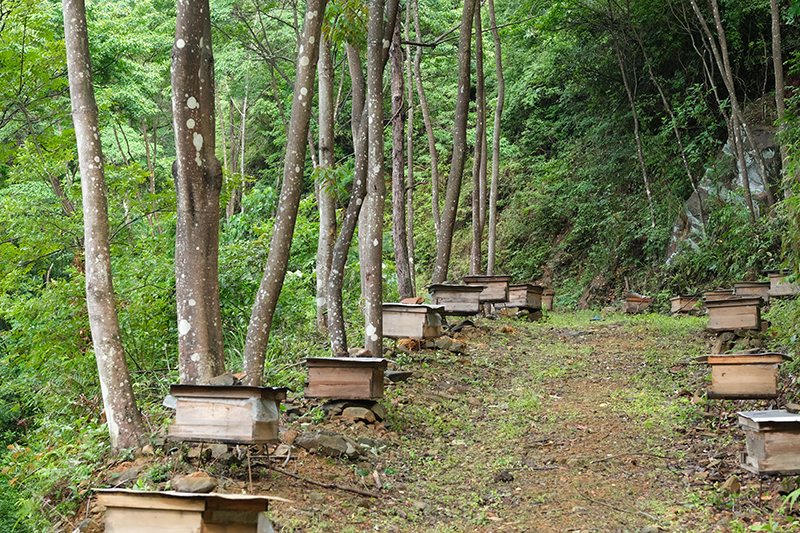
<point x="734" y="313"/>
<point x="778" y="286"/>
<point x="525" y="296"/>
<point x="548" y="296"/>
<point x="345" y="378"/>
<point x="636" y="302"/>
<point x="457" y="299"/>
<point x="718" y="294"/>
<point x="684" y="303"/>
<point x="773" y="441"/>
<point x="744" y="376"/>
<point x="496" y="287"/>
<point x="752" y="289"/>
<point x="236" y="414"/>
<point x="134" y="511"/>
<point x="412" y="321"/>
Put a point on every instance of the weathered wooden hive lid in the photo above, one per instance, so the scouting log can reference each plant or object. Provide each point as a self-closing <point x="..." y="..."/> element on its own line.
<point x="412" y="308"/>
<point x="486" y="279"/>
<point x="750" y="284"/>
<point x="232" y="391"/>
<point x="776" y="271"/>
<point x="548" y="292"/>
<point x="526" y="286"/>
<point x="686" y="297"/>
<point x="376" y="362"/>
<point x="735" y="301"/>
<point x="772" y="416"/>
<point x="131" y="496"/>
<point x="454" y="287"/>
<point x="743" y="358"/>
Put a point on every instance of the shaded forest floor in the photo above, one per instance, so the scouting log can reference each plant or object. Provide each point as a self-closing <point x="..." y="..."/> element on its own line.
<point x="571" y="424"/>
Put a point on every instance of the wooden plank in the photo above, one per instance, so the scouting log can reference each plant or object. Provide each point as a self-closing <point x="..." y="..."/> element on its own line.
<point x="149" y="500"/>
<point x="122" y="520"/>
<point x="744" y="381"/>
<point x="237" y="391"/>
<point x="743" y="359"/>
<point x="717" y="295"/>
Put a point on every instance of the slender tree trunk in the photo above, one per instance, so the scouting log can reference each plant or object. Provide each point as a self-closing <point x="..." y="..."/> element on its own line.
<point x="125" y="425"/>
<point x="674" y="122"/>
<point x="297" y="143"/>
<point x="444" y="237"/>
<point x="780" y="105"/>
<point x="723" y="63"/>
<point x="426" y="119"/>
<point x="478" y="185"/>
<point x="372" y="262"/>
<point x="198" y="182"/>
<point x="636" y="133"/>
<point x="399" y="236"/>
<point x="498" y="113"/>
<point x="336" y="328"/>
<point x="410" y="154"/>
<point x="230" y="209"/>
<point x="326" y="199"/>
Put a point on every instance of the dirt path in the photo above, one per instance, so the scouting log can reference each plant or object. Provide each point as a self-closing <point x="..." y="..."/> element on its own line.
<point x="573" y="424"/>
<point x="552" y="427"/>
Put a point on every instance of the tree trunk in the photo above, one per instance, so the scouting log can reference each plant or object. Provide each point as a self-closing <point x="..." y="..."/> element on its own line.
<point x="399" y="237"/>
<point x="296" y="146"/>
<point x="326" y="199"/>
<point x="723" y="63"/>
<point x="373" y="230"/>
<point x="198" y="182"/>
<point x="777" y="64"/>
<point x="426" y="119"/>
<point x="410" y="155"/>
<point x="498" y="113"/>
<point x="636" y="133"/>
<point x="444" y="237"/>
<point x="336" y="328"/>
<point x="125" y="426"/>
<point x="478" y="185"/>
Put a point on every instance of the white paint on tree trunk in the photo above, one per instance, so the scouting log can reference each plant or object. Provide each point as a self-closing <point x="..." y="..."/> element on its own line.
<point x="192" y="302"/>
<point x="191" y="103"/>
<point x="184" y="326"/>
<point x="190" y="123"/>
<point x="180" y="43"/>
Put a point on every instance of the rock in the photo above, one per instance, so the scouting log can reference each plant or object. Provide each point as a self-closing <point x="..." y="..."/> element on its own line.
<point x="380" y="411"/>
<point x="359" y="352"/>
<point x="217" y="449"/>
<point x="461" y="325"/>
<point x="732" y="485"/>
<point x="199" y="452"/>
<point x="607" y="310"/>
<point x="365" y="442"/>
<point x="419" y="505"/>
<point x="397" y="376"/>
<point x="170" y="402"/>
<point x="316" y="497"/>
<point x="535" y="316"/>
<point x="289" y="436"/>
<point x="196" y="483"/>
<point x="145" y="451"/>
<point x="444" y="343"/>
<point x="129" y="474"/>
<point x="413" y="301"/>
<point x="430" y="345"/>
<point x="225" y="380"/>
<point x="334" y="408"/>
<point x="293" y="411"/>
<point x="457" y="347"/>
<point x="359" y="413"/>
<point x="159" y="438"/>
<point x="745" y="333"/>
<point x="505" y="476"/>
<point x="364" y="503"/>
<point x="474" y="402"/>
<point x="724" y="342"/>
<point x="329" y="444"/>
<point x="282" y="450"/>
<point x="88" y="526"/>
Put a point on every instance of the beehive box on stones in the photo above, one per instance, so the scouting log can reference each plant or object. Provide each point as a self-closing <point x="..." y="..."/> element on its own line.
<point x="345" y="378"/>
<point x="773" y="441"/>
<point x="734" y="313"/>
<point x="752" y="290"/>
<point x="744" y="376"/>
<point x="236" y="414"/>
<point x="412" y="321"/>
<point x="461" y="300"/>
<point x="684" y="303"/>
<point x="496" y="287"/>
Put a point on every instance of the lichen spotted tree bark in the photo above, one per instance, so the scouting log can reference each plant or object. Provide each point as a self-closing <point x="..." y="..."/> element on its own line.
<point x="125" y="426"/>
<point x="198" y="182"/>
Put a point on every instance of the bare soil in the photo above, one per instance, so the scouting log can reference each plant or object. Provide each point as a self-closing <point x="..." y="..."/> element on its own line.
<point x="593" y="425"/>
